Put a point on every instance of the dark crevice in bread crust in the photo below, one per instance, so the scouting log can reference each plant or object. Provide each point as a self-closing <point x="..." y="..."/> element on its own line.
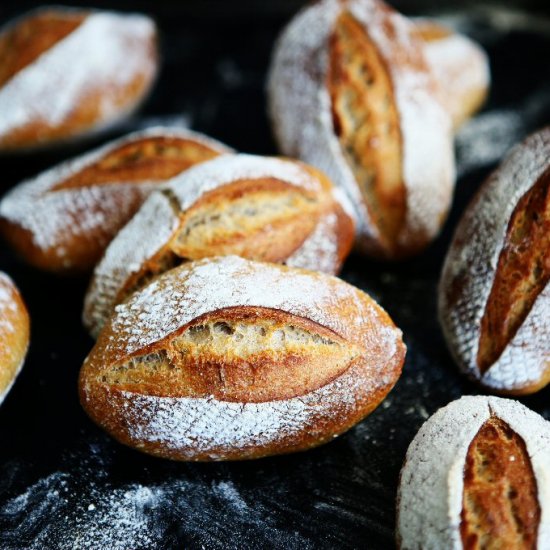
<point x="523" y="270"/>
<point x="500" y="500"/>
<point x="27" y="39"/>
<point x="249" y="354"/>
<point x="366" y="122"/>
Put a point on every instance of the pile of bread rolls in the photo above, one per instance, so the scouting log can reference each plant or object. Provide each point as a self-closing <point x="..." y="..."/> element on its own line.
<point x="222" y="331"/>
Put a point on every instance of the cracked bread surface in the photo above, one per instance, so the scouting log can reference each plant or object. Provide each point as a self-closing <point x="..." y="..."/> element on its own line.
<point x="229" y="358"/>
<point x="63" y="219"/>
<point x="261" y="208"/>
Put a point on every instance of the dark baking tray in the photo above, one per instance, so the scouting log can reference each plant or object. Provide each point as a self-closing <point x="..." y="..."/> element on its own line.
<point x="64" y="484"/>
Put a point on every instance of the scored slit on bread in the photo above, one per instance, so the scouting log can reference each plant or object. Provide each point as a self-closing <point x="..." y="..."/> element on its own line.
<point x="500" y="503"/>
<point x="151" y="159"/>
<point x="366" y="122"/>
<point x="523" y="271"/>
<point x="265" y="219"/>
<point x="26" y="40"/>
<point x="236" y="354"/>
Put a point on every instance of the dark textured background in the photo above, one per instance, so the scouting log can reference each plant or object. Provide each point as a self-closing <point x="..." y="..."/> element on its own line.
<point x="65" y="484"/>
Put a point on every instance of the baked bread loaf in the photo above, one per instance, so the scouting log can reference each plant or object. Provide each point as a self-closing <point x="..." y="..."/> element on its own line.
<point x="227" y="359"/>
<point x="460" y="66"/>
<point x="63" y="219"/>
<point x="477" y="476"/>
<point x="67" y="72"/>
<point x="494" y="296"/>
<point x="260" y="208"/>
<point x="350" y="92"/>
<point x="14" y="334"/>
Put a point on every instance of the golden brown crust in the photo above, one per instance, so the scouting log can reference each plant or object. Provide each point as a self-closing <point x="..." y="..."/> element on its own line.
<point x="94" y="201"/>
<point x="523" y="271"/>
<point x="84" y="104"/>
<point x="23" y="42"/>
<point x="259" y="379"/>
<point x="14" y="333"/>
<point x="367" y="124"/>
<point x="500" y="503"/>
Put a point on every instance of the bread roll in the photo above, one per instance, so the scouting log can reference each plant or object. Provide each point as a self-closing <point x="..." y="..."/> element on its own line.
<point x="14" y="334"/>
<point x="350" y="92"/>
<point x="460" y="66"/>
<point x="68" y="72"/>
<point x="227" y="359"/>
<point x="63" y="219"/>
<point x="477" y="475"/>
<point x="494" y="296"/>
<point x="260" y="208"/>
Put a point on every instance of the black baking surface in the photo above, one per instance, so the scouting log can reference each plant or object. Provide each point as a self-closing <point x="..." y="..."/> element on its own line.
<point x="64" y="484"/>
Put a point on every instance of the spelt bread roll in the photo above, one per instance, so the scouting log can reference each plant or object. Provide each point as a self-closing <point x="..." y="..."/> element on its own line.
<point x="14" y="334"/>
<point x="227" y="359"/>
<point x="260" y="208"/>
<point x="63" y="219"/>
<point x="494" y="296"/>
<point x="460" y="66"/>
<point x="350" y="92"/>
<point x="477" y="476"/>
<point x="65" y="73"/>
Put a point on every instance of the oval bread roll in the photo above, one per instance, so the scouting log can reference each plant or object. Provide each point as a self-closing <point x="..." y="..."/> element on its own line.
<point x="226" y="359"/>
<point x="494" y="296"/>
<point x="68" y="72"/>
<point x="350" y="92"/>
<point x="14" y="334"/>
<point x="460" y="66"/>
<point x="260" y="208"/>
<point x="477" y="475"/>
<point x="63" y="219"/>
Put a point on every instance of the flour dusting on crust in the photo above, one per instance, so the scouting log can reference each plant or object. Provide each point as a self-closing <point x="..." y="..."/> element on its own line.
<point x="107" y="51"/>
<point x="151" y="228"/>
<point x="432" y="479"/>
<point x="472" y="261"/>
<point x="53" y="218"/>
<point x="301" y="114"/>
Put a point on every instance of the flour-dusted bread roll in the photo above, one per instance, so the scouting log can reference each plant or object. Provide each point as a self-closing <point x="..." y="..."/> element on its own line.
<point x="68" y="72"/>
<point x="260" y="208"/>
<point x="63" y="219"/>
<point x="14" y="334"/>
<point x="460" y="66"/>
<point x="225" y="358"/>
<point x="351" y="93"/>
<point x="477" y="476"/>
<point x="494" y="296"/>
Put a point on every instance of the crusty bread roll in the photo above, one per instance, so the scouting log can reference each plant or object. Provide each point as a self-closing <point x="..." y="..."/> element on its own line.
<point x="260" y="208"/>
<point x="63" y="219"/>
<point x="460" y="66"/>
<point x="224" y="359"/>
<point x="494" y="295"/>
<point x="350" y="92"/>
<point x="14" y="334"/>
<point x="477" y="475"/>
<point x="67" y="72"/>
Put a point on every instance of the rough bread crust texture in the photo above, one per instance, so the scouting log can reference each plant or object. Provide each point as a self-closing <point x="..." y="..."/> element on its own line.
<point x="469" y="276"/>
<point x="79" y="71"/>
<point x="327" y="355"/>
<point x="460" y="67"/>
<point x="302" y="118"/>
<point x="14" y="334"/>
<point x="63" y="219"/>
<point x="261" y="208"/>
<point x="431" y="490"/>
